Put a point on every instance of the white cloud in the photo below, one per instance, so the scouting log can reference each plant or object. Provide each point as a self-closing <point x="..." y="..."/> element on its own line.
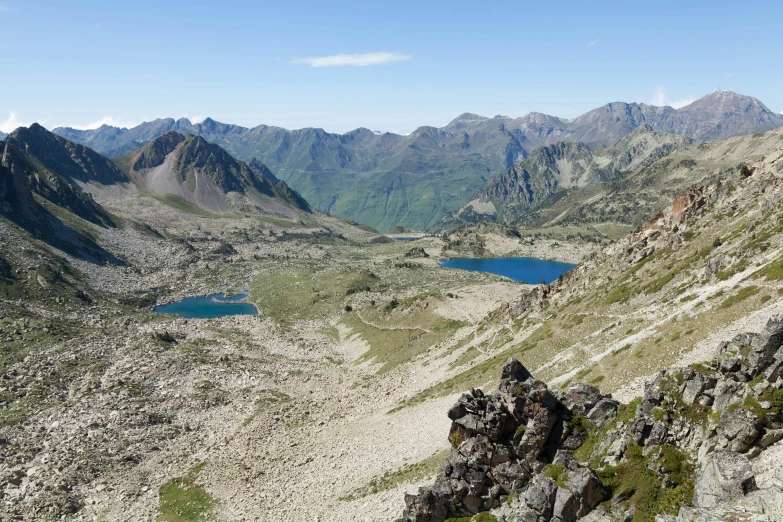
<point x="198" y="118"/>
<point x="114" y="121"/>
<point x="661" y="100"/>
<point x="12" y="123"/>
<point x="360" y="60"/>
<point x="590" y="44"/>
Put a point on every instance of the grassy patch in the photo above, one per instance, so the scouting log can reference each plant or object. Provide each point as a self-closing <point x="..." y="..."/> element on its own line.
<point x="645" y="488"/>
<point x="180" y="203"/>
<point x="772" y="272"/>
<point x="306" y="293"/>
<point x="183" y="500"/>
<point x="478" y="517"/>
<point x="744" y="293"/>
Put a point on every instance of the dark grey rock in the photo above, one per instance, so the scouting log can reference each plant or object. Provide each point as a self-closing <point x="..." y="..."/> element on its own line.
<point x="603" y="412"/>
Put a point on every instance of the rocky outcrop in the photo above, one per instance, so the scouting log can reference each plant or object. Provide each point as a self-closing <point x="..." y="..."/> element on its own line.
<point x="509" y="442"/>
<point x="685" y="452"/>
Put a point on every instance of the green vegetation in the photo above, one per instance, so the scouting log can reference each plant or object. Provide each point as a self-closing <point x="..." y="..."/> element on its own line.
<point x="744" y="293"/>
<point x="397" y="334"/>
<point x="180" y="203"/>
<point x="305" y="292"/>
<point x="656" y="285"/>
<point x="645" y="487"/>
<point x="620" y="294"/>
<point x="772" y="272"/>
<point x="556" y="472"/>
<point x="183" y="500"/>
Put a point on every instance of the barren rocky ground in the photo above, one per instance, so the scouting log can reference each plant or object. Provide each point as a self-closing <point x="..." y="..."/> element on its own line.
<point x="330" y="404"/>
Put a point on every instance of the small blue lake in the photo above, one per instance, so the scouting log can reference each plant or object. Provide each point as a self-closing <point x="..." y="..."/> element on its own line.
<point x="209" y="307"/>
<point x="527" y="269"/>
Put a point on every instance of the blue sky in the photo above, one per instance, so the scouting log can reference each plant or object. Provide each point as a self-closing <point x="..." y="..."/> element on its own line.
<point x="296" y="64"/>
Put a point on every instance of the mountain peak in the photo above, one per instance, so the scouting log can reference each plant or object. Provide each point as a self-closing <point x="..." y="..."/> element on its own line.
<point x="727" y="100"/>
<point x="467" y="118"/>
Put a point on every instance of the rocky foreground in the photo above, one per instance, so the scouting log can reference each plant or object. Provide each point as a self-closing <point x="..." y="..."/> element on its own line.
<point x="701" y="445"/>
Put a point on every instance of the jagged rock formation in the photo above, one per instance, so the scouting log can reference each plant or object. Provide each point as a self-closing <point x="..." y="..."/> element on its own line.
<point x="355" y="174"/>
<point x="549" y="170"/>
<point x="684" y="452"/>
<point x="501" y="445"/>
<point x="34" y="196"/>
<point x="206" y="176"/>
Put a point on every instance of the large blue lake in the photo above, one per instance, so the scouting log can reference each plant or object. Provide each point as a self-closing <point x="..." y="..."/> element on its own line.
<point x="209" y="307"/>
<point x="527" y="269"/>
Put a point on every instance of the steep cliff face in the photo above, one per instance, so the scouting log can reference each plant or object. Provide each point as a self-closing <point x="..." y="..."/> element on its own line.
<point x="685" y="451"/>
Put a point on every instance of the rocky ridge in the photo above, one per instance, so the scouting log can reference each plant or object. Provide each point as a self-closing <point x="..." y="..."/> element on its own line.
<point x="684" y="452"/>
<point x="382" y="180"/>
<point x="552" y="169"/>
<point x="205" y="175"/>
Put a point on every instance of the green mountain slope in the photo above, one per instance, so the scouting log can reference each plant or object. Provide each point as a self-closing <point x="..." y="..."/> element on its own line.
<point x="384" y="180"/>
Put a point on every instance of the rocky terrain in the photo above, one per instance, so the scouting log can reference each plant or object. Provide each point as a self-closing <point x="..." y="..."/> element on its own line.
<point x="549" y="170"/>
<point x="204" y="175"/>
<point x="690" y="449"/>
<point x="568" y="184"/>
<point x="388" y="179"/>
<point x="328" y="405"/>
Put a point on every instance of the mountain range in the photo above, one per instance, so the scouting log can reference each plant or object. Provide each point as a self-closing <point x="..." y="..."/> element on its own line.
<point x="387" y="179"/>
<point x="204" y="175"/>
<point x="540" y="180"/>
<point x="47" y="181"/>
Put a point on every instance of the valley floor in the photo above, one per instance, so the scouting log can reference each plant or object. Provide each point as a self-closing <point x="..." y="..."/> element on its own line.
<point x="330" y="404"/>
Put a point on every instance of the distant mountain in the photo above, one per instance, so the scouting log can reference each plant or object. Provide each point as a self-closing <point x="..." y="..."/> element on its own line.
<point x="387" y="179"/>
<point x="205" y="175"/>
<point x="724" y="114"/>
<point x="551" y="169"/>
<point x="2" y="135"/>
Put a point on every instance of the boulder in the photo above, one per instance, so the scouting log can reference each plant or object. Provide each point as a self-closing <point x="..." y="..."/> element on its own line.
<point x="587" y="488"/>
<point x="580" y="398"/>
<point x="603" y="412"/>
<point x="765" y="346"/>
<point x="694" y="385"/>
<point x="566" y="506"/>
<point x="724" y="476"/>
<point x="738" y="429"/>
<point x="540" y="496"/>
